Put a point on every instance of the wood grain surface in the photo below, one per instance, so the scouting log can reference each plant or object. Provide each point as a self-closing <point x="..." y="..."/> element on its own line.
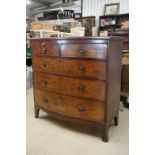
<point x="84" y="50"/>
<point x="94" y="89"/>
<point x="89" y="68"/>
<point x="44" y="47"/>
<point x="70" y="106"/>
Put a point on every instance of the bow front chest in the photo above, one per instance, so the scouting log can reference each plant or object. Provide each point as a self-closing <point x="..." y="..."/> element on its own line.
<point x="78" y="79"/>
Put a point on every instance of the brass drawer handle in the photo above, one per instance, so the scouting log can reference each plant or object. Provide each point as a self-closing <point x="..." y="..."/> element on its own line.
<point x="43" y="64"/>
<point x="81" y="88"/>
<point x="81" y="109"/>
<point x="82" y="52"/>
<point x="45" y="99"/>
<point x="43" y="44"/>
<point x="44" y="83"/>
<point x="42" y="50"/>
<point x="81" y="68"/>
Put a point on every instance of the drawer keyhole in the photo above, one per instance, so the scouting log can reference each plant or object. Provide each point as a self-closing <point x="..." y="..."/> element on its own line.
<point x="44" y="83"/>
<point x="81" y="109"/>
<point x="45" y="99"/>
<point x="81" y="88"/>
<point x="81" y="68"/>
<point x="82" y="52"/>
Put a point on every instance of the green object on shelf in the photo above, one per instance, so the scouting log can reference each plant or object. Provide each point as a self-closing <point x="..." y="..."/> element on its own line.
<point x="28" y="52"/>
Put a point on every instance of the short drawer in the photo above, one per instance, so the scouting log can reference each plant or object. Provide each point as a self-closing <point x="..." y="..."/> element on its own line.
<point x="93" y="89"/>
<point x="50" y="65"/>
<point x="44" y="48"/>
<point x="89" y="68"/>
<point x="70" y="106"/>
<point x="97" y="51"/>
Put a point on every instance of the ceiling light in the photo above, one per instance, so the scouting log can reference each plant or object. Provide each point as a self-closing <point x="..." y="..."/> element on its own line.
<point x="28" y="2"/>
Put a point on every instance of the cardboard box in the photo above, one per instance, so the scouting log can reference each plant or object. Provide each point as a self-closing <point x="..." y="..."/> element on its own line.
<point x="41" y="26"/>
<point x="125" y="24"/>
<point x="103" y="33"/>
<point x="78" y="31"/>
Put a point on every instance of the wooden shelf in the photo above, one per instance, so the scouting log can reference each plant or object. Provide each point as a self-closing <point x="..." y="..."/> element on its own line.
<point x="120" y="28"/>
<point x="58" y="33"/>
<point x="106" y="16"/>
<point x="84" y="17"/>
<point x="120" y="32"/>
<point x="126" y="41"/>
<point x="54" y="19"/>
<point x="125" y="51"/>
<point x="114" y="15"/>
<point x="111" y="25"/>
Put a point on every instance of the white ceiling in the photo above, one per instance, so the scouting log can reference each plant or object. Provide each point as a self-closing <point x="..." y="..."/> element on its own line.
<point x="41" y="4"/>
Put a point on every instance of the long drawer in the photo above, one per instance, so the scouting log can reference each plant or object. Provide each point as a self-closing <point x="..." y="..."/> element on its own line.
<point x="45" y="48"/>
<point x="93" y="89"/>
<point x="97" y="51"/>
<point x="89" y="68"/>
<point x="70" y="106"/>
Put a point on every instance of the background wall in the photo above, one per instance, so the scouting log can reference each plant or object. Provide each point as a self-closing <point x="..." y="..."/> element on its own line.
<point x="76" y="8"/>
<point x="96" y="7"/>
<point x="91" y="8"/>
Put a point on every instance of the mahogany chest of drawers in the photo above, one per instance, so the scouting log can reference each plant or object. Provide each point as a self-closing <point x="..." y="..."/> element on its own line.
<point x="78" y="79"/>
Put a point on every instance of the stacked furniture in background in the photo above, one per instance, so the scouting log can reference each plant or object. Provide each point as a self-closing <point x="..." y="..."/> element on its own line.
<point x="123" y="31"/>
<point x="110" y="23"/>
<point x="88" y="23"/>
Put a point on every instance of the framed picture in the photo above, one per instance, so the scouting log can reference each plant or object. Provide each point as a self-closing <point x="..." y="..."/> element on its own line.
<point x="111" y="9"/>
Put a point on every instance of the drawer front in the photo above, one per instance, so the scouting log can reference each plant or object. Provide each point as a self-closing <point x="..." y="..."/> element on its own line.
<point x="92" y="69"/>
<point x="50" y="65"/>
<point x="44" y="48"/>
<point x="98" y="51"/>
<point x="93" y="89"/>
<point x="70" y="106"/>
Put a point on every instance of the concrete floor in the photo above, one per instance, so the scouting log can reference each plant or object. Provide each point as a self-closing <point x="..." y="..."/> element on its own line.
<point x="49" y="136"/>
